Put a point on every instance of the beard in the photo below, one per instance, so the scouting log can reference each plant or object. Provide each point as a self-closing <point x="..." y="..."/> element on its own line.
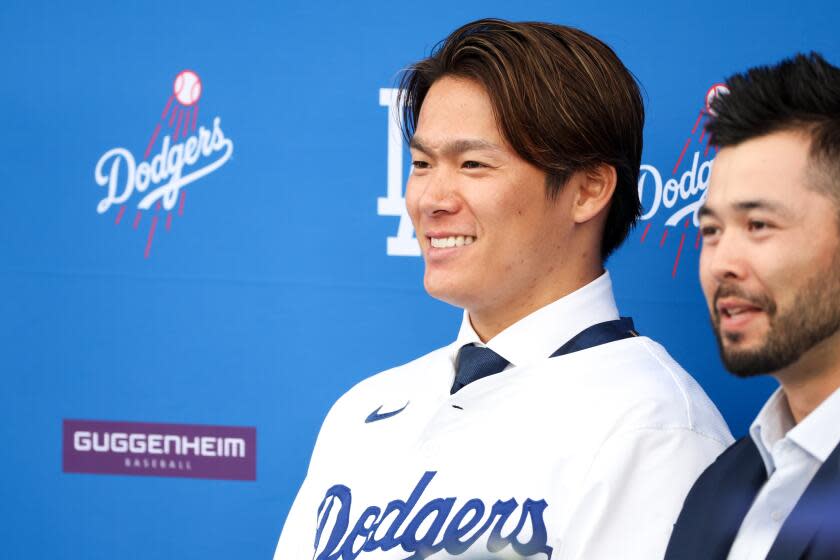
<point x="813" y="316"/>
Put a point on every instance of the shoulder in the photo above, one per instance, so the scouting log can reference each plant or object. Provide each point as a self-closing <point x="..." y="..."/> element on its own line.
<point x="730" y="482"/>
<point x="700" y="413"/>
<point x="739" y="466"/>
<point x="638" y="377"/>
<point x="741" y="454"/>
<point x="388" y="391"/>
<point x="417" y="373"/>
<point x="398" y="383"/>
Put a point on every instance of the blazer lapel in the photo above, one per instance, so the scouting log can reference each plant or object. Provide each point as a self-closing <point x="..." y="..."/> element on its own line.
<point x="716" y="505"/>
<point x="733" y="493"/>
<point x="818" y="506"/>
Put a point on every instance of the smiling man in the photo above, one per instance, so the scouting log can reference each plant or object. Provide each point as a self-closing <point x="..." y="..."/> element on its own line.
<point x="770" y="269"/>
<point x="548" y="428"/>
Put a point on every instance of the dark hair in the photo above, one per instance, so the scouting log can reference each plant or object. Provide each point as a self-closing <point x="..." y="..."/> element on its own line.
<point x="799" y="93"/>
<point x="562" y="98"/>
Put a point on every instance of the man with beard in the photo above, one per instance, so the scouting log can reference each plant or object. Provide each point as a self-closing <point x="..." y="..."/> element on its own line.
<point x="770" y="270"/>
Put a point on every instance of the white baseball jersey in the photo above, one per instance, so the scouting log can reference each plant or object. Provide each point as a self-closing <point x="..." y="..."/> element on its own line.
<point x="584" y="456"/>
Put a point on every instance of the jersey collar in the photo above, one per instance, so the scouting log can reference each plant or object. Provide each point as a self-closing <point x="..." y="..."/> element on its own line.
<point x="536" y="336"/>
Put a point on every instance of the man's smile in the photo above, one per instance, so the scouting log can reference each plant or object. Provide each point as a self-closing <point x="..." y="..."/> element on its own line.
<point x="736" y="313"/>
<point x="451" y="241"/>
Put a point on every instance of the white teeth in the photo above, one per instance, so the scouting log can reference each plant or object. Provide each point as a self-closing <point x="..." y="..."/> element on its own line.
<point x="452" y="241"/>
<point x="733" y="311"/>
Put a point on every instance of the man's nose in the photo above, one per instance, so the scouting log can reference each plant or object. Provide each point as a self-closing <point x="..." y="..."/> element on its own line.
<point x="727" y="259"/>
<point x="439" y="193"/>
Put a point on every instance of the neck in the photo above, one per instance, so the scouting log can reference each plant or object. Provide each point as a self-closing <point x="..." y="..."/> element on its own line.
<point x="812" y="378"/>
<point x="489" y="322"/>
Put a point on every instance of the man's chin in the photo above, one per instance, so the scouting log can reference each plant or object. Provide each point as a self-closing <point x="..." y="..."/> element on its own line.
<point x="748" y="361"/>
<point x="444" y="291"/>
<point x="745" y="364"/>
<point x="741" y="358"/>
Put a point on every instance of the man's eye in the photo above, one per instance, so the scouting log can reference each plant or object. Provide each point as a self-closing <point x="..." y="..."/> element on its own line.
<point x="756" y="225"/>
<point x="420" y="164"/>
<point x="709" y="231"/>
<point x="472" y="165"/>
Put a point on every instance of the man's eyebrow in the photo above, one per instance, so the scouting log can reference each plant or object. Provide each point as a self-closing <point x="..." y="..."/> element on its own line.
<point x="706" y="211"/>
<point x="744" y="206"/>
<point x="454" y="147"/>
<point x="760" y="204"/>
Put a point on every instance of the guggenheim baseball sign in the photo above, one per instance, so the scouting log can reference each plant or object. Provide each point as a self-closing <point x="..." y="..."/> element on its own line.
<point x="180" y="450"/>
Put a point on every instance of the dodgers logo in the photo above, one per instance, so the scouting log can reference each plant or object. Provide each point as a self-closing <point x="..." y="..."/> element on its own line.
<point x="435" y="527"/>
<point x="675" y="194"/>
<point x="185" y="155"/>
<point x="679" y="197"/>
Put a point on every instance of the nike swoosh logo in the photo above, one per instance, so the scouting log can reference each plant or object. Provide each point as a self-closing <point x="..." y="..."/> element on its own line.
<point x="375" y="416"/>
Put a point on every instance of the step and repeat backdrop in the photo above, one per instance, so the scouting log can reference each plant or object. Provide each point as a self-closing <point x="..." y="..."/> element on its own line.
<point x="204" y="243"/>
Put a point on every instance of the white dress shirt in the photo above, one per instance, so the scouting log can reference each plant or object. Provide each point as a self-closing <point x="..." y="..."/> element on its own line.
<point x="586" y="456"/>
<point x="792" y="454"/>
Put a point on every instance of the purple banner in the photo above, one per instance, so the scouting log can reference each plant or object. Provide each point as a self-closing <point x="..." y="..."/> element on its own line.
<point x="146" y="449"/>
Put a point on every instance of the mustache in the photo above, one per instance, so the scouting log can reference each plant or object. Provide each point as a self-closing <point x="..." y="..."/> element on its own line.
<point x="761" y="301"/>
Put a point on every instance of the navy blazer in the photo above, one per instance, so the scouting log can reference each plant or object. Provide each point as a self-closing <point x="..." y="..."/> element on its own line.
<point x="719" y="501"/>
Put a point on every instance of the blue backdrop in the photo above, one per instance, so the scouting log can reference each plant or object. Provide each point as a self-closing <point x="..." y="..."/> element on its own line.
<point x="268" y="289"/>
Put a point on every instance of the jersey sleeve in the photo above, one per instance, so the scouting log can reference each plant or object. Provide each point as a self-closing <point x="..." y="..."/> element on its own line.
<point x="633" y="493"/>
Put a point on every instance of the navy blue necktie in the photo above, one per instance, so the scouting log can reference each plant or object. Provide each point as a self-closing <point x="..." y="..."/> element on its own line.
<point x="476" y="362"/>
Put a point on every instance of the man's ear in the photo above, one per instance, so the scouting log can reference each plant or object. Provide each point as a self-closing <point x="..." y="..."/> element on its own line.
<point x="595" y="188"/>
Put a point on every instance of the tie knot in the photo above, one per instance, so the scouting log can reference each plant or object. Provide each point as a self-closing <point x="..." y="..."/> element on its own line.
<point x="475" y="362"/>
